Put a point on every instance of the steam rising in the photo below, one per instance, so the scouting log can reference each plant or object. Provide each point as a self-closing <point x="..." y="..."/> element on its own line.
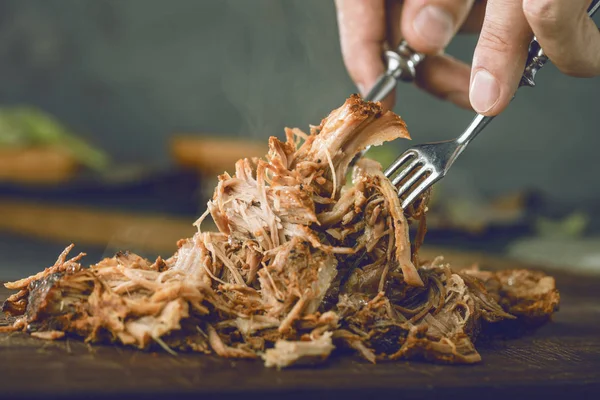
<point x="283" y="72"/>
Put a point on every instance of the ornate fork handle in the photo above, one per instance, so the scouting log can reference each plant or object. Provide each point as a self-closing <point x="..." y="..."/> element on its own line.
<point x="401" y="65"/>
<point x="536" y="59"/>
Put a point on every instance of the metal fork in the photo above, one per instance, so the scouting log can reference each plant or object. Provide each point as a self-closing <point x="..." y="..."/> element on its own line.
<point x="425" y="164"/>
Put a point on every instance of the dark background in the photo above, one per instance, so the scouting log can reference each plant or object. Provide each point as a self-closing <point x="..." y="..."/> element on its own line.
<point x="127" y="74"/>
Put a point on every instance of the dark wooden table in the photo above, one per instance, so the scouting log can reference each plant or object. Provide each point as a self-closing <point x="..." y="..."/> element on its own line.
<point x="561" y="360"/>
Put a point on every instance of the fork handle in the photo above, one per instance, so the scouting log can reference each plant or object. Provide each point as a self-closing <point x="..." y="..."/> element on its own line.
<point x="401" y="65"/>
<point x="536" y="59"/>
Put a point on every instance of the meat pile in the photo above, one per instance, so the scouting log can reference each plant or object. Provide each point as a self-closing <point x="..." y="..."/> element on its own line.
<point x="303" y="263"/>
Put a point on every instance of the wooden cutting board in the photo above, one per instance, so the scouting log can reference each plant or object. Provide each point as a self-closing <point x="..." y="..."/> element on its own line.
<point x="560" y="360"/>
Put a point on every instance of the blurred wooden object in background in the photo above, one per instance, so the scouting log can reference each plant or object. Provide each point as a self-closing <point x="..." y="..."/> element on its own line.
<point x="119" y="230"/>
<point x="210" y="155"/>
<point x="36" y="165"/>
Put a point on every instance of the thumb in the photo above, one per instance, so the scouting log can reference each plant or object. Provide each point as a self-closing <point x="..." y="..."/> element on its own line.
<point x="500" y="56"/>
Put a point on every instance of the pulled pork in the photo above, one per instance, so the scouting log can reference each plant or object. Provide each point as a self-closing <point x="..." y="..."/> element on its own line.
<point x="302" y="263"/>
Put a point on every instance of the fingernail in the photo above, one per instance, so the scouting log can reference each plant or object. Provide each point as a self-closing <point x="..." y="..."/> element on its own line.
<point x="435" y="25"/>
<point x="485" y="91"/>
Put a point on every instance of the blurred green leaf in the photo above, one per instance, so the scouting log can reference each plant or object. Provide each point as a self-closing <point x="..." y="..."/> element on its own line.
<point x="384" y="154"/>
<point x="572" y="226"/>
<point x="24" y="126"/>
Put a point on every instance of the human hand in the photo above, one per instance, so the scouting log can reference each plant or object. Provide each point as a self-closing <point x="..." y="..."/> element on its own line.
<point x="568" y="36"/>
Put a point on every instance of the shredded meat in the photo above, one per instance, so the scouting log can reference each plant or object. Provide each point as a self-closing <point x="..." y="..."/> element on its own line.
<point x="286" y="353"/>
<point x="302" y="263"/>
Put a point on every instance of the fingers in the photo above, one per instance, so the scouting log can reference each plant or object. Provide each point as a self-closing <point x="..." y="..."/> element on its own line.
<point x="474" y="20"/>
<point x="446" y="78"/>
<point x="500" y="55"/>
<point x="568" y="36"/>
<point x="393" y="10"/>
<point x="429" y="25"/>
<point x="362" y="29"/>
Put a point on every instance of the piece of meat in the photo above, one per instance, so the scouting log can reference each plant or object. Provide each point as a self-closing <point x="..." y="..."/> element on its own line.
<point x="372" y="171"/>
<point x="531" y="296"/>
<point x="61" y="265"/>
<point x="286" y="353"/>
<point x="48" y="335"/>
<point x="300" y="259"/>
<point x="347" y="131"/>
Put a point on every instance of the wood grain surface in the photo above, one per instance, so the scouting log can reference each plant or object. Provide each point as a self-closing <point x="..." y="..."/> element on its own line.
<point x="560" y="360"/>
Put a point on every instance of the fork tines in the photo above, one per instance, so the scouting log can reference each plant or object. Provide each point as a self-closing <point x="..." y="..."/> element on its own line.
<point x="408" y="171"/>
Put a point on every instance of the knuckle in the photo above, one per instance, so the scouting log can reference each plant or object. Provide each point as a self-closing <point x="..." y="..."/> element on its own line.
<point x="494" y="37"/>
<point x="541" y="10"/>
<point x="574" y="73"/>
<point x="576" y="70"/>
